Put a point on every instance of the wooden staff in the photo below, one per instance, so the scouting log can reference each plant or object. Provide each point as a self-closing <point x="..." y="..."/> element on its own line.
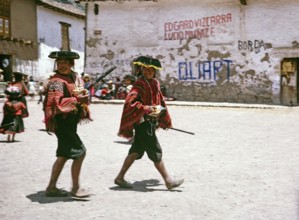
<point x="7" y="125"/>
<point x="102" y="76"/>
<point x="188" y="132"/>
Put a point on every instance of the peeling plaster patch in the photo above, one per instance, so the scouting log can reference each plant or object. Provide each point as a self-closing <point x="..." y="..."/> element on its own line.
<point x="169" y="83"/>
<point x="239" y="66"/>
<point x="268" y="45"/>
<point x="187" y="42"/>
<point x="184" y="47"/>
<point x="160" y="57"/>
<point x="235" y="71"/>
<point x="190" y="48"/>
<point x="249" y="73"/>
<point x="295" y="44"/>
<point x="109" y="55"/>
<point x="266" y="58"/>
<point x="199" y="46"/>
<point x="172" y="57"/>
<point x="92" y="42"/>
<point x="256" y="84"/>
<point x="180" y="50"/>
<point x="217" y="54"/>
<point x="222" y="75"/>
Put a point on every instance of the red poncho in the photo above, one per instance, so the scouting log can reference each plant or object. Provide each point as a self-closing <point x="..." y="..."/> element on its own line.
<point x="61" y="100"/>
<point x="145" y="92"/>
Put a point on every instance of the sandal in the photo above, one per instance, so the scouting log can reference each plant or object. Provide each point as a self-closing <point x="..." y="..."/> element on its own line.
<point x="80" y="193"/>
<point x="123" y="184"/>
<point x="57" y="193"/>
<point x="174" y="184"/>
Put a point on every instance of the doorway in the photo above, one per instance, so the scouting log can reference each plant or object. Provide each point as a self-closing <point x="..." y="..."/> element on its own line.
<point x="6" y="66"/>
<point x="289" y="81"/>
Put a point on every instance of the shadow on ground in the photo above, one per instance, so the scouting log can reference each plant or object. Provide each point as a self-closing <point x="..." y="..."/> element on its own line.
<point x="145" y="186"/>
<point x="10" y="142"/>
<point x="41" y="198"/>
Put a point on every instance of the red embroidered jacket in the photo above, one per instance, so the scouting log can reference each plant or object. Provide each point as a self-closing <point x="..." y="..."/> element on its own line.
<point x="60" y="99"/>
<point x="144" y="92"/>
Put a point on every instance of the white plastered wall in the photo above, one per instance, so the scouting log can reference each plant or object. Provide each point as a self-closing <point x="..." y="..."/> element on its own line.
<point x="236" y="59"/>
<point x="49" y="35"/>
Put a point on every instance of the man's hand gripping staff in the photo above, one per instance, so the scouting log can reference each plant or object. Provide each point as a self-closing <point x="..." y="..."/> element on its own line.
<point x="156" y="111"/>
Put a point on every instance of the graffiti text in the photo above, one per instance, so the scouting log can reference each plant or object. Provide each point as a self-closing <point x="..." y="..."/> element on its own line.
<point x="249" y="45"/>
<point x="196" y="28"/>
<point x="206" y="70"/>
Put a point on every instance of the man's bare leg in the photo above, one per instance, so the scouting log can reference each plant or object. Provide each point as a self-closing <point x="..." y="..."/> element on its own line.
<point x="13" y="137"/>
<point x="76" y="169"/>
<point x="170" y="184"/>
<point x="56" y="170"/>
<point x="8" y="138"/>
<point x="162" y="170"/>
<point x="125" y="167"/>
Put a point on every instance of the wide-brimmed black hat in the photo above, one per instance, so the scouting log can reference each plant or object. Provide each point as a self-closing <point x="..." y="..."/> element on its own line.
<point x="64" y="54"/>
<point x="148" y="62"/>
<point x="19" y="74"/>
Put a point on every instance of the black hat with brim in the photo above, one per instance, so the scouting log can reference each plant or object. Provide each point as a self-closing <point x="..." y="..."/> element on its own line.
<point x="64" y="54"/>
<point x="148" y="62"/>
<point x="19" y="74"/>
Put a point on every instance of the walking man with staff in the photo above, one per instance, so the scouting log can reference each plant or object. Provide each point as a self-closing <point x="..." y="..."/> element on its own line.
<point x="144" y="111"/>
<point x="66" y="104"/>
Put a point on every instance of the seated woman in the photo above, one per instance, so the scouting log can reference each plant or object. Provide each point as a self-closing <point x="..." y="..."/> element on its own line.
<point x="104" y="93"/>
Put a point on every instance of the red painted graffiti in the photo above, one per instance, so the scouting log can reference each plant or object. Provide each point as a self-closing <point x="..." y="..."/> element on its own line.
<point x="196" y="28"/>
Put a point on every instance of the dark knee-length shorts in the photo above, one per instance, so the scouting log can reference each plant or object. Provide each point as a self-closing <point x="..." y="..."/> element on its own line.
<point x="70" y="145"/>
<point x="145" y="140"/>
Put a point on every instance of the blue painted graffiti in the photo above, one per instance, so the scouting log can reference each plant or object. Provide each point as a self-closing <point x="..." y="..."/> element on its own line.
<point x="206" y="70"/>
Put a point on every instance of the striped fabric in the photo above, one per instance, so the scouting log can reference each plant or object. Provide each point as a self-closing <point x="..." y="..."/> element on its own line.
<point x="60" y="99"/>
<point x="144" y="92"/>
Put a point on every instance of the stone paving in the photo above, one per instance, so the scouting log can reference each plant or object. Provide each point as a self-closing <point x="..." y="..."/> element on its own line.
<point x="242" y="163"/>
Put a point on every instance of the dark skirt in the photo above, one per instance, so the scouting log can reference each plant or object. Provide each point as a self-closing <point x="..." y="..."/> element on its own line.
<point x="17" y="127"/>
<point x="70" y="145"/>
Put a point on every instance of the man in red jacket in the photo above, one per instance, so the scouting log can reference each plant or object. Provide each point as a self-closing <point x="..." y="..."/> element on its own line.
<point x="65" y="106"/>
<point x="144" y="111"/>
